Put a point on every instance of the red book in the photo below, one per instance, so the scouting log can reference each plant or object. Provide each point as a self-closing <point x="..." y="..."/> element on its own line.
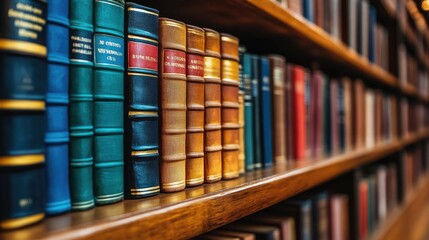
<point x="298" y="112"/>
<point x="363" y="209"/>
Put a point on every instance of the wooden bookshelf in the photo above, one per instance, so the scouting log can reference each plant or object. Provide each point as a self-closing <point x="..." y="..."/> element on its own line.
<point x="197" y="210"/>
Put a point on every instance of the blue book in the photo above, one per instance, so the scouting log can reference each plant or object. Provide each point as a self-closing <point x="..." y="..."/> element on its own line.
<point x="371" y="41"/>
<point x="257" y="143"/>
<point x="266" y="121"/>
<point x="22" y="115"/>
<point x="301" y="211"/>
<point x="108" y="101"/>
<point x="308" y="10"/>
<point x="81" y="101"/>
<point x="57" y="99"/>
<point x="141" y="94"/>
<point x="248" y="111"/>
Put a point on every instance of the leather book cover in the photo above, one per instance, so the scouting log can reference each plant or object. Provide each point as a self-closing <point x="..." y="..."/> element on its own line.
<point x="23" y="78"/>
<point x="369" y="118"/>
<point x="358" y="119"/>
<point x="327" y="117"/>
<point x="317" y="114"/>
<point x="266" y="114"/>
<point x="257" y="142"/>
<point x="172" y="89"/>
<point x="81" y="77"/>
<point x="288" y="112"/>
<point x="141" y="117"/>
<point x="285" y="224"/>
<point x="248" y="111"/>
<point x="339" y="215"/>
<point x="334" y="118"/>
<point x="363" y="208"/>
<point x="298" y="112"/>
<point x="308" y="119"/>
<point x="348" y="109"/>
<point x="230" y="106"/>
<point x="195" y="46"/>
<point x="277" y="72"/>
<point x="241" y="112"/>
<point x="57" y="100"/>
<point x="212" y="103"/>
<point x="341" y="118"/>
<point x="109" y="101"/>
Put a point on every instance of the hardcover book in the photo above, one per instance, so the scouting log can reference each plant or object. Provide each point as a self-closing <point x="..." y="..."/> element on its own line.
<point x="298" y="112"/>
<point x="141" y="118"/>
<point x="241" y="113"/>
<point x="300" y="210"/>
<point x="108" y="101"/>
<point x="257" y="143"/>
<point x="172" y="89"/>
<point x="195" y="106"/>
<point x="339" y="215"/>
<point x="57" y="100"/>
<point x="261" y="231"/>
<point x="23" y="78"/>
<point x="266" y="120"/>
<point x="230" y="106"/>
<point x="248" y="111"/>
<point x="81" y="104"/>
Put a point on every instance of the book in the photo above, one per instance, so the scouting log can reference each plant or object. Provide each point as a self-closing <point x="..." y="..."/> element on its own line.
<point x="277" y="73"/>
<point x="141" y="118"/>
<point x="288" y="112"/>
<point x="369" y="119"/>
<point x="57" y="100"/>
<point x="301" y="211"/>
<point x="256" y="101"/>
<point x="212" y="96"/>
<point x="348" y="110"/>
<point x="308" y="116"/>
<point x="363" y="24"/>
<point x="308" y="9"/>
<point x="327" y="115"/>
<point x="230" y="106"/>
<point x="23" y="76"/>
<point x="339" y="216"/>
<point x="195" y="106"/>
<point x="320" y="216"/>
<point x="363" y="208"/>
<point x="371" y="35"/>
<point x="298" y="112"/>
<point x="241" y="113"/>
<point x="172" y="97"/>
<point x="358" y="119"/>
<point x="265" y="117"/>
<point x="334" y="117"/>
<point x="317" y="114"/>
<point x="108" y="101"/>
<point x="341" y="118"/>
<point x="381" y="178"/>
<point x="285" y="224"/>
<point x="230" y="233"/>
<point x="248" y="111"/>
<point x="81" y="104"/>
<point x="261" y="231"/>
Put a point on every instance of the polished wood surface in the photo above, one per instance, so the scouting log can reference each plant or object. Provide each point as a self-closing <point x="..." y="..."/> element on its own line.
<point x="197" y="210"/>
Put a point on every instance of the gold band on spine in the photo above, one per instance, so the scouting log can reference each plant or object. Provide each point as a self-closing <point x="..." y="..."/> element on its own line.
<point x="22" y="104"/>
<point x="20" y="222"/>
<point x="141" y="38"/>
<point x="21" y="160"/>
<point x="22" y="46"/>
<point x="173" y="184"/>
<point x="132" y="113"/>
<point x="144" y="189"/>
<point x="146" y="152"/>
<point x="142" y="10"/>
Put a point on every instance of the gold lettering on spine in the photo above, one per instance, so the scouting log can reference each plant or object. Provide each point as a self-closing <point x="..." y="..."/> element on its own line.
<point x="211" y="67"/>
<point x="28" y="20"/>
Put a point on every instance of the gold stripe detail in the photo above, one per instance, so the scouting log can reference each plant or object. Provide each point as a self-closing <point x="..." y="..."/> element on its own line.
<point x="141" y="38"/>
<point x="132" y="113"/>
<point x="227" y="38"/>
<point x="141" y="74"/>
<point x="171" y="23"/>
<point x="214" y="177"/>
<point x="195" y="180"/>
<point x="145" y="152"/>
<point x="20" y="222"/>
<point x="174" y="184"/>
<point x="22" y="46"/>
<point x="142" y="10"/>
<point x="146" y="192"/>
<point x="144" y="189"/>
<point x="195" y="31"/>
<point x="21" y="160"/>
<point x="22" y="104"/>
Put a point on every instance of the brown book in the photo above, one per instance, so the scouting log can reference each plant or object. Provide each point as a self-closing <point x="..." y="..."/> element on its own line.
<point x="240" y="235"/>
<point x="195" y="106"/>
<point x="172" y="47"/>
<point x="277" y="64"/>
<point x="339" y="217"/>
<point x="347" y="89"/>
<point x="242" y="153"/>
<point x="394" y="117"/>
<point x="212" y="103"/>
<point x="285" y="224"/>
<point x="358" y="102"/>
<point x="230" y="106"/>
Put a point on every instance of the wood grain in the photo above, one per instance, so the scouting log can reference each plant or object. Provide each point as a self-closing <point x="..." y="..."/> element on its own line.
<point x="197" y="210"/>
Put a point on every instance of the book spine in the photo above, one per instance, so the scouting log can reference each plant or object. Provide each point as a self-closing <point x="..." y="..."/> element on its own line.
<point x="230" y="106"/>
<point x="81" y="104"/>
<point x="278" y="113"/>
<point x="333" y="102"/>
<point x="308" y="119"/>
<point x="241" y="113"/>
<point x="23" y="77"/>
<point x="108" y="101"/>
<point x="195" y="47"/>
<point x="266" y="121"/>
<point x="141" y="116"/>
<point x="254" y="75"/>
<point x="57" y="99"/>
<point x="341" y="117"/>
<point x="248" y="112"/>
<point x="212" y="103"/>
<point x="172" y="68"/>
<point x="298" y="109"/>
<point x="327" y="117"/>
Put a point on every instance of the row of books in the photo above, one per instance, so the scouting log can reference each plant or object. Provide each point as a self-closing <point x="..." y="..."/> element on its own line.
<point x="411" y="73"/>
<point x="352" y="206"/>
<point x="414" y="117"/>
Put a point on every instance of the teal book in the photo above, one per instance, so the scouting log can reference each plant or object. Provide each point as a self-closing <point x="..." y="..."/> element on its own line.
<point x="248" y="111"/>
<point x="81" y="101"/>
<point x="108" y="101"/>
<point x="23" y="75"/>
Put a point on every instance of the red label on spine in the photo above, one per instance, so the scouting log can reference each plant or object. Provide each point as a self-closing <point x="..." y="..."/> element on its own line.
<point x="174" y="61"/>
<point x="142" y="55"/>
<point x="195" y="65"/>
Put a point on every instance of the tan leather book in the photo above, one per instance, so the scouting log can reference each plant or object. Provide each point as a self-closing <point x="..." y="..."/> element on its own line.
<point x="358" y="121"/>
<point x="172" y="69"/>
<point x="277" y="64"/>
<point x="347" y="89"/>
<point x="195" y="106"/>
<point x="230" y="106"/>
<point x="212" y="103"/>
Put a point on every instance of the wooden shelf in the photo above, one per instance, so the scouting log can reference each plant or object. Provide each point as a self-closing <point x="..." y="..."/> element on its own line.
<point x="197" y="210"/>
<point x="410" y="219"/>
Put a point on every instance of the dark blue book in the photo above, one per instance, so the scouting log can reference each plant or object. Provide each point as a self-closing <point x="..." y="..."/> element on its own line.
<point x="257" y="142"/>
<point x="371" y="42"/>
<point x="308" y="9"/>
<point x="141" y="106"/>
<point x="57" y="100"/>
<point x="265" y="117"/>
<point x="22" y="114"/>
<point x="327" y="132"/>
<point x="248" y="110"/>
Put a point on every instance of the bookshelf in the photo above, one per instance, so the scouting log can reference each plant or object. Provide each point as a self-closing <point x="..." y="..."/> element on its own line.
<point x="197" y="210"/>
